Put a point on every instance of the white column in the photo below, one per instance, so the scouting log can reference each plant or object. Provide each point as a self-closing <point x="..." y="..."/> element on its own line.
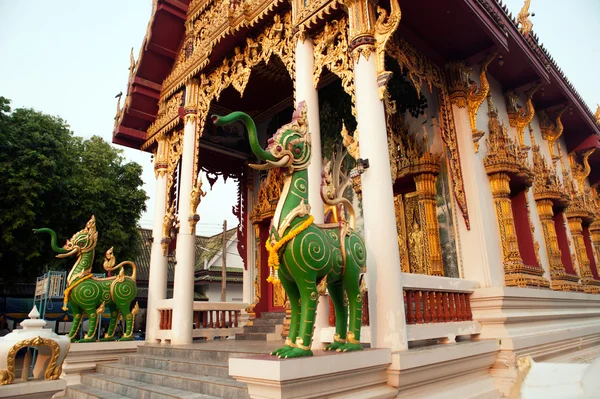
<point x="183" y="289"/>
<point x="157" y="279"/>
<point x="306" y="91"/>
<point x="386" y="303"/>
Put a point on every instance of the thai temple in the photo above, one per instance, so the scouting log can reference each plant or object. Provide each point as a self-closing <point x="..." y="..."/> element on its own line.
<point x="468" y="156"/>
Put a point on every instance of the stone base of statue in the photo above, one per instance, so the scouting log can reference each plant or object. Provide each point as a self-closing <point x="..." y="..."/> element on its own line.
<point x="85" y="357"/>
<point x="325" y="375"/>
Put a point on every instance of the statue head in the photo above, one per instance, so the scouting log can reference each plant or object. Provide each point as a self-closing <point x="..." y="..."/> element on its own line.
<point x="83" y="241"/>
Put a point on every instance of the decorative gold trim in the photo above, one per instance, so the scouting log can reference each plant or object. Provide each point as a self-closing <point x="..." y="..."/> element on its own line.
<point x="195" y="198"/>
<point x="551" y="131"/>
<point x="161" y="157"/>
<point x="523" y="19"/>
<point x="459" y="82"/>
<point x="385" y="26"/>
<point x="53" y="370"/>
<point x="421" y="70"/>
<point x="299" y="344"/>
<point x="518" y="117"/>
<point x="476" y="97"/>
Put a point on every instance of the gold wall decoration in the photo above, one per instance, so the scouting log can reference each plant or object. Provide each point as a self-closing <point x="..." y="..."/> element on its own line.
<point x="175" y="148"/>
<point x="421" y="70"/>
<point x="331" y="51"/>
<point x="268" y="194"/>
<point x="551" y="131"/>
<point x="167" y="117"/>
<point x="459" y="82"/>
<point x="308" y="13"/>
<point x="208" y="25"/>
<point x="505" y="162"/>
<point x="411" y="159"/>
<point x="161" y="156"/>
<point x="597" y="115"/>
<point x="401" y="227"/>
<point x="518" y="117"/>
<point x="476" y="97"/>
<point x="361" y="27"/>
<point x="523" y="19"/>
<point x="169" y="223"/>
<point x="385" y="26"/>
<point x="594" y="227"/>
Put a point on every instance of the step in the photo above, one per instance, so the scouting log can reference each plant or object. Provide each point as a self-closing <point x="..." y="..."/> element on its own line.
<point x="214" y="369"/>
<point x="86" y="392"/>
<point x="208" y="385"/>
<point x="251" y="336"/>
<point x="272" y="315"/>
<point x="137" y="389"/>
<point x="202" y="356"/>
<point x="259" y="329"/>
<point x="267" y="322"/>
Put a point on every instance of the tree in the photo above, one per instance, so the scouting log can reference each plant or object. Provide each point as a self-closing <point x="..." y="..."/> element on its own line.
<point x="51" y="178"/>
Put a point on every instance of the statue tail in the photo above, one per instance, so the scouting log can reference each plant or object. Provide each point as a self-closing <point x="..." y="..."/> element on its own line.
<point x="120" y="265"/>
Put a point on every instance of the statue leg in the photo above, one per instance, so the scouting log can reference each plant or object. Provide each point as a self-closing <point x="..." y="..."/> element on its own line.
<point x="114" y="316"/>
<point x="336" y="291"/>
<point x="308" y="297"/>
<point x="293" y="294"/>
<point x="351" y="284"/>
<point x="93" y="325"/>
<point x="76" y="321"/>
<point x="128" y="317"/>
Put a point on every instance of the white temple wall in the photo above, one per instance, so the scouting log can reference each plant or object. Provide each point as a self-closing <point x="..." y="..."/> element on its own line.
<point x="234" y="292"/>
<point x="480" y="246"/>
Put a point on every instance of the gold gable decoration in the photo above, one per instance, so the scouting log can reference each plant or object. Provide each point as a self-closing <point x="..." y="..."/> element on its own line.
<point x="268" y="195"/>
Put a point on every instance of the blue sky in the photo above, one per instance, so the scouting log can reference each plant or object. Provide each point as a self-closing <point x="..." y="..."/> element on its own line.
<point x="71" y="57"/>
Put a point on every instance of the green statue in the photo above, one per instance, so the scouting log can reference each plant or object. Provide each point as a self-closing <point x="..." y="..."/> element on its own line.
<point x="303" y="255"/>
<point x="89" y="295"/>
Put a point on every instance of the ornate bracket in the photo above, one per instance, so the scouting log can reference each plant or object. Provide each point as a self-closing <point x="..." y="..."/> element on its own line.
<point x="476" y="97"/>
<point x="523" y="19"/>
<point x="169" y="221"/>
<point x="161" y="157"/>
<point x="385" y="26"/>
<point x="195" y="198"/>
<point x="597" y="115"/>
<point x="581" y="171"/>
<point x="518" y="117"/>
<point x="551" y="131"/>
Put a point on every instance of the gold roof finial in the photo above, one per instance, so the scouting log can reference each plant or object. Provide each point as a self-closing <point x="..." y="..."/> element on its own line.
<point x="523" y="19"/>
<point x="597" y="114"/>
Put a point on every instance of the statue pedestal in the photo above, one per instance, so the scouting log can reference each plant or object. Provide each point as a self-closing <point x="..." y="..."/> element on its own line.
<point x="326" y="374"/>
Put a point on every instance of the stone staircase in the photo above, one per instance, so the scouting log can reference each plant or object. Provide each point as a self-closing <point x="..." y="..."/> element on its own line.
<point x="266" y="328"/>
<point x="196" y="371"/>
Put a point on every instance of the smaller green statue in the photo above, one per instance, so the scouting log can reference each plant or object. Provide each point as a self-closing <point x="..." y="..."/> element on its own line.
<point x="89" y="295"/>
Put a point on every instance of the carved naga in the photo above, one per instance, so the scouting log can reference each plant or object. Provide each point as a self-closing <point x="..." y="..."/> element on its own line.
<point x="302" y="254"/>
<point x="89" y="295"/>
<point x="476" y="96"/>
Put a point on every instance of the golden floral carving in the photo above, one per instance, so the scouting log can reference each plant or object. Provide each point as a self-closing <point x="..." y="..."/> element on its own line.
<point x="53" y="370"/>
<point x="209" y="23"/>
<point x="401" y="227"/>
<point x="421" y="70"/>
<point x="361" y="17"/>
<point x="161" y="156"/>
<point x="331" y="52"/>
<point x="268" y="194"/>
<point x="518" y="117"/>
<point x="168" y="115"/>
<point x="587" y="280"/>
<point x="597" y="115"/>
<point x="551" y="131"/>
<point x="175" y="148"/>
<point x="476" y="97"/>
<point x="351" y="143"/>
<point x="169" y="222"/>
<point x="308" y="13"/>
<point x="385" y="26"/>
<point x="580" y="171"/>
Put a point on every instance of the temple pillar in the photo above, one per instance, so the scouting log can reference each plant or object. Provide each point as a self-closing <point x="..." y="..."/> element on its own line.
<point x="426" y="188"/>
<point x="481" y="261"/>
<point x="157" y="278"/>
<point x="307" y="92"/>
<point x="386" y="312"/>
<point x="587" y="279"/>
<point x="183" y="288"/>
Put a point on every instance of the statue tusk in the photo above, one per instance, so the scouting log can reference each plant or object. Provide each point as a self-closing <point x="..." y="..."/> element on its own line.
<point x="284" y="161"/>
<point x="72" y="252"/>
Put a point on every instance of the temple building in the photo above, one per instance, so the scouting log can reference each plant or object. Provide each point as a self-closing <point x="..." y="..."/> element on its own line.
<point x="470" y="156"/>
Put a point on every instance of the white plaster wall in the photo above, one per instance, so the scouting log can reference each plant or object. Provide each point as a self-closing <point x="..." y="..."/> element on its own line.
<point x="233" y="257"/>
<point x="234" y="292"/>
<point x="480" y="246"/>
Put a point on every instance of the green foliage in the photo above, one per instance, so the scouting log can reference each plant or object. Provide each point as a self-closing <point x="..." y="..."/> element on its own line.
<point x="51" y="178"/>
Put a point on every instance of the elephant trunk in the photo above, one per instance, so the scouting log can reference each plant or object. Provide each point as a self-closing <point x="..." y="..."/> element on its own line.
<point x="251" y="127"/>
<point x="53" y="240"/>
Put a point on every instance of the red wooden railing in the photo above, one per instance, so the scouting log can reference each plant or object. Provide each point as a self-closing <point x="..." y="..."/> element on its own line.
<point x="436" y="307"/>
